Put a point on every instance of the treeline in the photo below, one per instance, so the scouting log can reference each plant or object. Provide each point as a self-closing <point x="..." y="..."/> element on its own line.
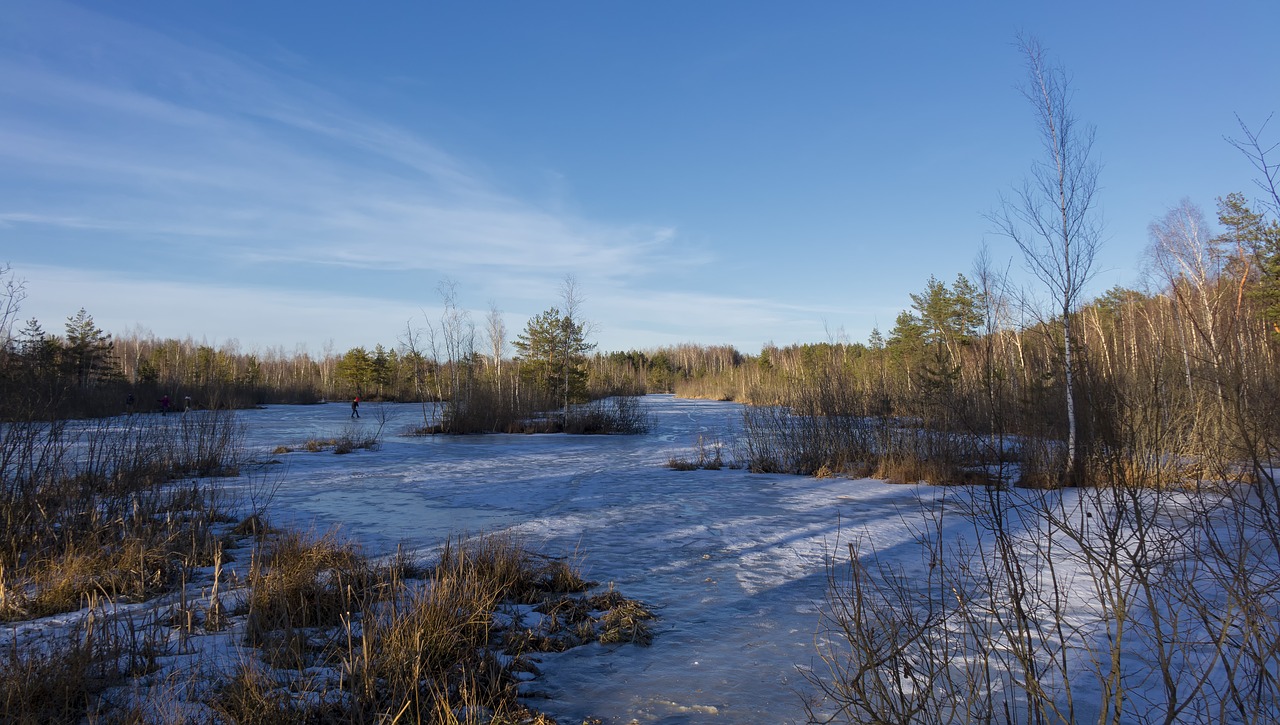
<point x="87" y="372"/>
<point x="487" y="379"/>
<point x="1174" y="382"/>
<point x="90" y="372"/>
<point x="1172" y="385"/>
<point x="555" y="379"/>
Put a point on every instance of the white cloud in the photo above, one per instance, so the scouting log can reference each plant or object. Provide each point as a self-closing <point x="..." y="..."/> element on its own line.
<point x="162" y="137"/>
<point x="161" y="143"/>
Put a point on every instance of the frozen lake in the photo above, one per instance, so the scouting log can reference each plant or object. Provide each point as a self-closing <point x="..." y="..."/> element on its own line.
<point x="731" y="562"/>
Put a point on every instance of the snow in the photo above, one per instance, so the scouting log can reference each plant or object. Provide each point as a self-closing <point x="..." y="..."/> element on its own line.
<point x="734" y="564"/>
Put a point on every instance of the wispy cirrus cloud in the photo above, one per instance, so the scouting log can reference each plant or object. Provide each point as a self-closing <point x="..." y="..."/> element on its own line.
<point x="157" y="136"/>
<point x="141" y="167"/>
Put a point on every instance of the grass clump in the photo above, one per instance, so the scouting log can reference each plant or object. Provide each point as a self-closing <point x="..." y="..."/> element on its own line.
<point x="572" y="621"/>
<point x="626" y="621"/>
<point x="914" y="469"/>
<point x="252" y="695"/>
<point x="59" y="676"/>
<point x="352" y="438"/>
<point x="304" y="581"/>
<point x="342" y="639"/>
<point x="708" y="454"/>
<point x="518" y="574"/>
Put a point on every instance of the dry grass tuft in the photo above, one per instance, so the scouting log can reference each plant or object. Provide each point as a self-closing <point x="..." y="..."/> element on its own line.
<point x="252" y="695"/>
<point x="625" y="621"/>
<point x="252" y="525"/>
<point x="305" y="581"/>
<point x="681" y="464"/>
<point x="502" y="559"/>
<point x="908" y="468"/>
<point x="58" y="677"/>
<point x="708" y="454"/>
<point x="571" y="621"/>
<point x="352" y="438"/>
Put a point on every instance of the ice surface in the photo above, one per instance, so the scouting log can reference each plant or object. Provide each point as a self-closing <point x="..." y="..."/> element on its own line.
<point x="731" y="562"/>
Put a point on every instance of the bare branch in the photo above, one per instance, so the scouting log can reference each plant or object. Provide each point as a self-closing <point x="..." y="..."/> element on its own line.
<point x="1252" y="148"/>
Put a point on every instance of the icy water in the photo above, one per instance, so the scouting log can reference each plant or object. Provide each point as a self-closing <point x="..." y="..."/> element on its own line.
<point x="731" y="562"/>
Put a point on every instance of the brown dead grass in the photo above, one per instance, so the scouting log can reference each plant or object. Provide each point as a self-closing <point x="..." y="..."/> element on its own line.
<point x="305" y="581"/>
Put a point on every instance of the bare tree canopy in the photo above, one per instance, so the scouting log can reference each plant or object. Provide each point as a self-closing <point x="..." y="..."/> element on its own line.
<point x="1052" y="216"/>
<point x="1252" y="146"/>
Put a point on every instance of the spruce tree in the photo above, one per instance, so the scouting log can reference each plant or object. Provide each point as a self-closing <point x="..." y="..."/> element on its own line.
<point x="87" y="356"/>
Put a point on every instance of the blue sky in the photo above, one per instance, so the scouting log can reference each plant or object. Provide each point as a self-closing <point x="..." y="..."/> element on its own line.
<point x="718" y="172"/>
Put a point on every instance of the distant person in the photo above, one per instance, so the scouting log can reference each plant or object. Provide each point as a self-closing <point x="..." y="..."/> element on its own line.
<point x="355" y="407"/>
<point x="186" y="404"/>
<point x="128" y="403"/>
<point x="164" y="404"/>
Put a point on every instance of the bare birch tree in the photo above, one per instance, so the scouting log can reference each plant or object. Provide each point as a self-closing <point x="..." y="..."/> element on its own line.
<point x="1052" y="215"/>
<point x="574" y="334"/>
<point x="411" y="346"/>
<point x="496" y="330"/>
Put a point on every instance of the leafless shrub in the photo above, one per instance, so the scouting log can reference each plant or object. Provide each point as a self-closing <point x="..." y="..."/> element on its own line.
<point x="622" y="415"/>
<point x="1111" y="602"/>
<point x="93" y="508"/>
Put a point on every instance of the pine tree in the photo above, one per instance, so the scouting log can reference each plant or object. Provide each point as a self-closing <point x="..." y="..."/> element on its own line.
<point x="1252" y="239"/>
<point x="552" y="355"/>
<point x="356" y="368"/>
<point x="37" y="350"/>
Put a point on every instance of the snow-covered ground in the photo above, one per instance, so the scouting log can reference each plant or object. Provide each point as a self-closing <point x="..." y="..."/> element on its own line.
<point x="735" y="565"/>
<point x="732" y="562"/>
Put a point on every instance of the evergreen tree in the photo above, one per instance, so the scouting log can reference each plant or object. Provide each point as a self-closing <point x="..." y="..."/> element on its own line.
<point x="356" y="368"/>
<point x="382" y="367"/>
<point x="37" y="350"/>
<point x="1251" y="238"/>
<point x="87" y="356"/>
<point x="875" y="340"/>
<point x="906" y="344"/>
<point x="552" y="355"/>
<point x="950" y="317"/>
